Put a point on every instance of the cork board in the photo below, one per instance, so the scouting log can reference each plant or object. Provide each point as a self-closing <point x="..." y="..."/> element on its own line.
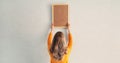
<point x="60" y="15"/>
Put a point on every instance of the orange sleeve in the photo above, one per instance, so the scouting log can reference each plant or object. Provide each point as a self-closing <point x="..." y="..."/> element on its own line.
<point x="70" y="41"/>
<point x="49" y="40"/>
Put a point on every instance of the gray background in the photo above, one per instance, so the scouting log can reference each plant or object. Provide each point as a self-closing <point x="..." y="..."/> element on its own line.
<point x="24" y="26"/>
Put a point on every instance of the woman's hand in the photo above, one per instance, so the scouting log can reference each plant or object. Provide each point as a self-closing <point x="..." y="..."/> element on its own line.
<point x="68" y="27"/>
<point x="52" y="26"/>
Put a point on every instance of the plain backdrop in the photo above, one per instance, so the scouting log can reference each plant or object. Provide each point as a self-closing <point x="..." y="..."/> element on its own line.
<point x="25" y="24"/>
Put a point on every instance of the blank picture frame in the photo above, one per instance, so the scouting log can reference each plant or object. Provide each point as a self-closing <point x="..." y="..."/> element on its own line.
<point x="60" y="15"/>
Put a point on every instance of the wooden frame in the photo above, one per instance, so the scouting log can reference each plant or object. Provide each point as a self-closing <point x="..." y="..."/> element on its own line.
<point x="60" y="15"/>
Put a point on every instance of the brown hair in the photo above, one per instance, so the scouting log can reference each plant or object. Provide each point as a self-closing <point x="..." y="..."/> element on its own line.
<point x="58" y="48"/>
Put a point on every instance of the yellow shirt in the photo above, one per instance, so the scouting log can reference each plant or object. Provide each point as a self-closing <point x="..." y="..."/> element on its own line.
<point x="66" y="56"/>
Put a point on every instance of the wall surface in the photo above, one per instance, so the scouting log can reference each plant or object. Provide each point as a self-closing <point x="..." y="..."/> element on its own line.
<point x="24" y="26"/>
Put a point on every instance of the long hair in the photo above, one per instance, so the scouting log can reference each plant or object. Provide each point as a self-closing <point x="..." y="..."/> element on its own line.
<point x="58" y="48"/>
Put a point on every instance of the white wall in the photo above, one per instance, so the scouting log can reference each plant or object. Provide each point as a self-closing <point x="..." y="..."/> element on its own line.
<point x="24" y="25"/>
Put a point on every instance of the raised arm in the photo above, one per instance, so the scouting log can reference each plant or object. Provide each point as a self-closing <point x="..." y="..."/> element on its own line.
<point x="70" y="41"/>
<point x="50" y="37"/>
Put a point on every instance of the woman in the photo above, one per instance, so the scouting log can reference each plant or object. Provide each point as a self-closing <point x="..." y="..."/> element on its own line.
<point x="58" y="48"/>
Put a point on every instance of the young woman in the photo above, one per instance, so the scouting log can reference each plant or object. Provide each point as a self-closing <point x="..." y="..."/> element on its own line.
<point x="58" y="48"/>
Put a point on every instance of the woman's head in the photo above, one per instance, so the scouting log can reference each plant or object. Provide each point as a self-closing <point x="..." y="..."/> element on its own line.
<point x="58" y="48"/>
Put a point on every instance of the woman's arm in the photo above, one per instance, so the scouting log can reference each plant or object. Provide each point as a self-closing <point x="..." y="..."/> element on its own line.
<point x="50" y="37"/>
<point x="69" y="38"/>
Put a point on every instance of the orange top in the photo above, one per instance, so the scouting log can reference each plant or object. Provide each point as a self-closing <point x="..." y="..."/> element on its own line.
<point x="66" y="56"/>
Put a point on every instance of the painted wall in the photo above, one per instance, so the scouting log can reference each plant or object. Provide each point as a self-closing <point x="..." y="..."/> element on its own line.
<point x="24" y="26"/>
